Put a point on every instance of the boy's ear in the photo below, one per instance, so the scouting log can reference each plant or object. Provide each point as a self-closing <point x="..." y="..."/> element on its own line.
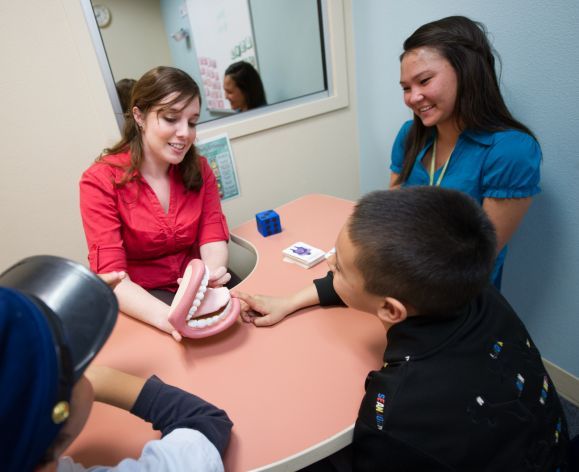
<point x="392" y="311"/>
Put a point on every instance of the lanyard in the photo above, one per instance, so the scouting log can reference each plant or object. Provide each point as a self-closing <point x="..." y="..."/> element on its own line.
<point x="432" y="165"/>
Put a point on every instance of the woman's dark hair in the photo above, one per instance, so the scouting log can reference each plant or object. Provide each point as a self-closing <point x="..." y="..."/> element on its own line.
<point x="151" y="91"/>
<point x="430" y="247"/>
<point x="248" y="81"/>
<point x="124" y="89"/>
<point x="479" y="104"/>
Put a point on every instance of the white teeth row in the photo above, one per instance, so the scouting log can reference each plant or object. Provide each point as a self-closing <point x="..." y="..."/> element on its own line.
<point x="422" y="110"/>
<point x="204" y="322"/>
<point x="200" y="294"/>
<point x="177" y="146"/>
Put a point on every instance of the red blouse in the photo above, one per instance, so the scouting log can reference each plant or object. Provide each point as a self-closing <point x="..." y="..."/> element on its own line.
<point x="127" y="229"/>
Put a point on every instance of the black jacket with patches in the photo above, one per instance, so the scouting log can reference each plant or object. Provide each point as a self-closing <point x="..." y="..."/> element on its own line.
<point x="463" y="392"/>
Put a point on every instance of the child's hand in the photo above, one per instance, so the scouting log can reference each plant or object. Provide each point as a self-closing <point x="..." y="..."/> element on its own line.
<point x="166" y="326"/>
<point x="113" y="386"/>
<point x="219" y="277"/>
<point x="97" y="374"/>
<point x="262" y="310"/>
<point x="170" y="329"/>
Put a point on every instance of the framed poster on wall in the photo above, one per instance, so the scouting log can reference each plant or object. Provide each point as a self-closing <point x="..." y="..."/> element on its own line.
<point x="217" y="151"/>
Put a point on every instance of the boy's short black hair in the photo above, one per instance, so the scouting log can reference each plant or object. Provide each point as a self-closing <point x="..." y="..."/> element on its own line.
<point x="429" y="247"/>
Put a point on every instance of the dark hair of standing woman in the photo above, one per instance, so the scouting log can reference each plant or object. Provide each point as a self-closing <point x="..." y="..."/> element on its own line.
<point x="479" y="104"/>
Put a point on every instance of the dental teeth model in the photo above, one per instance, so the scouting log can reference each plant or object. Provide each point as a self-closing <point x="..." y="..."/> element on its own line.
<point x="198" y="311"/>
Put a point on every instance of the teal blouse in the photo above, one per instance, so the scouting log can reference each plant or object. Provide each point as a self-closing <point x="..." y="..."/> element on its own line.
<point x="500" y="164"/>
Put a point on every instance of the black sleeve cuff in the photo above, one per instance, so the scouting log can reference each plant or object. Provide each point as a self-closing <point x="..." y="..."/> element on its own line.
<point x="326" y="292"/>
<point x="168" y="408"/>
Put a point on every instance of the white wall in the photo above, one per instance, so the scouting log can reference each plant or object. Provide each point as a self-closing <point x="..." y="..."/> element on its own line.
<point x="287" y="36"/>
<point x="51" y="93"/>
<point x="57" y="117"/>
<point x="538" y="45"/>
<point x="135" y="43"/>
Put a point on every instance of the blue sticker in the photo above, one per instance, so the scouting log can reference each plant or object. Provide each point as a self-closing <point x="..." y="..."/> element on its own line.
<point x="544" y="390"/>
<point x="496" y="349"/>
<point x="557" y="431"/>
<point x="520" y="382"/>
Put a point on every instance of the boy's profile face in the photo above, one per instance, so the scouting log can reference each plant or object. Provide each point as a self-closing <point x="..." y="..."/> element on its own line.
<point x="348" y="280"/>
<point x="81" y="401"/>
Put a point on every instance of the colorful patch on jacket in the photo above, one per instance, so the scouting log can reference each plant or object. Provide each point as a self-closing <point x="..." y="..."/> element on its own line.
<point x="520" y="383"/>
<point x="380" y="400"/>
<point x="544" y="390"/>
<point x="557" y="431"/>
<point x="496" y="349"/>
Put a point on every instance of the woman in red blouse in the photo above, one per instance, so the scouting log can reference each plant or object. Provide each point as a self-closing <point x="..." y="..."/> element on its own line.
<point x="150" y="204"/>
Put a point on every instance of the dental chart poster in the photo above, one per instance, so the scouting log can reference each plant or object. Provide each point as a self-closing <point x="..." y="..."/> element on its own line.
<point x="217" y="151"/>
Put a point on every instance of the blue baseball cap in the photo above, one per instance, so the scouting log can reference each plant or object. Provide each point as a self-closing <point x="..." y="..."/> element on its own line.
<point x="55" y="315"/>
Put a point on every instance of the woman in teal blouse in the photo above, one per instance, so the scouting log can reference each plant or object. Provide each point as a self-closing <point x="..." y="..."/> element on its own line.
<point x="463" y="136"/>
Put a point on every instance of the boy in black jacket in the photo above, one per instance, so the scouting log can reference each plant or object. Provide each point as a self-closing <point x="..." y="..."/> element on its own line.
<point x="463" y="387"/>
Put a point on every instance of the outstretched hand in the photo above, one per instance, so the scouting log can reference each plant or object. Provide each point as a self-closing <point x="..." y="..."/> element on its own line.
<point x="219" y="277"/>
<point x="176" y="334"/>
<point x="112" y="279"/>
<point x="263" y="310"/>
<point x="170" y="329"/>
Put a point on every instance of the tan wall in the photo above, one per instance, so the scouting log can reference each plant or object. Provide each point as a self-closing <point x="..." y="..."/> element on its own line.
<point x="56" y="117"/>
<point x="137" y="42"/>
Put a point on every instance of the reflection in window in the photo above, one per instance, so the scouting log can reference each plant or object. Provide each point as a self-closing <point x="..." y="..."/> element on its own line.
<point x="283" y="41"/>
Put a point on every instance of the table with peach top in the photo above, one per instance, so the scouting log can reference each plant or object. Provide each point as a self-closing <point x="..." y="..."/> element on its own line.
<point x="292" y="390"/>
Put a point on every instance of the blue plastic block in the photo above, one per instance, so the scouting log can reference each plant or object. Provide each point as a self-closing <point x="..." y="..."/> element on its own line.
<point x="268" y="222"/>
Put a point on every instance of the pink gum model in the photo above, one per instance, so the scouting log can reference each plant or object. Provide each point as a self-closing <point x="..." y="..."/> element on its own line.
<point x="194" y="299"/>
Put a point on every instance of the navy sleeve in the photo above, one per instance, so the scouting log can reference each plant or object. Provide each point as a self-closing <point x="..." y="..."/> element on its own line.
<point x="169" y="408"/>
<point x="326" y="292"/>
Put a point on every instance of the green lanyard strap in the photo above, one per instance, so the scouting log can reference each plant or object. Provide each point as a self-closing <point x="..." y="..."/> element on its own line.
<point x="433" y="164"/>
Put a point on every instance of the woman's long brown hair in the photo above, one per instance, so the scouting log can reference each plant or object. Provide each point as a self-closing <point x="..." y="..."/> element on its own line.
<point x="150" y="91"/>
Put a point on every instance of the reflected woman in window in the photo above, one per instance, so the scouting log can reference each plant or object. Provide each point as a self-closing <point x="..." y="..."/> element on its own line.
<point x="243" y="87"/>
<point x="150" y="203"/>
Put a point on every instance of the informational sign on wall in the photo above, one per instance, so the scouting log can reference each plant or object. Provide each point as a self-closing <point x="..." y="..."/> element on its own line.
<point x="222" y="35"/>
<point x="217" y="151"/>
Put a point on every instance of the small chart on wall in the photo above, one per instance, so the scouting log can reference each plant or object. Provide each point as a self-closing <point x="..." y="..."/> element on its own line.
<point x="222" y="35"/>
<point x="217" y="151"/>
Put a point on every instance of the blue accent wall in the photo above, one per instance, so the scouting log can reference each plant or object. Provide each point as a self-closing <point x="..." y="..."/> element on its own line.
<point x="537" y="42"/>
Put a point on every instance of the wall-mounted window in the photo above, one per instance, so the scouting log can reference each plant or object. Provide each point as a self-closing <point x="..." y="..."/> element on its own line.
<point x="296" y="48"/>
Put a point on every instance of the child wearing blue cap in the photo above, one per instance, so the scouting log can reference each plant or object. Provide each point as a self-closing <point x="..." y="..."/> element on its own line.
<point x="55" y="315"/>
<point x="462" y="386"/>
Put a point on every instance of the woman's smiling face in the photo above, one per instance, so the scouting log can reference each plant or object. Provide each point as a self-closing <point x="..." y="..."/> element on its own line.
<point x="168" y="132"/>
<point x="234" y="94"/>
<point x="430" y="85"/>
